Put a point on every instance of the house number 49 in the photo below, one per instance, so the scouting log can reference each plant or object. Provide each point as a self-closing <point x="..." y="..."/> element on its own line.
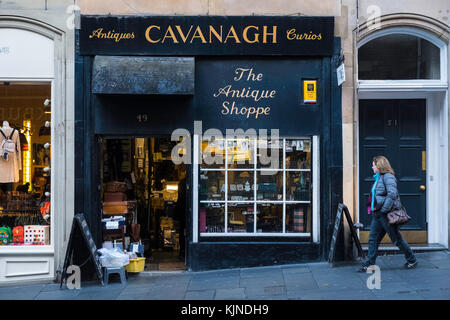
<point x="142" y="117"/>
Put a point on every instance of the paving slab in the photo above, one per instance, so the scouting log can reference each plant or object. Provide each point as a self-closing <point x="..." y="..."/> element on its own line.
<point x="230" y="294"/>
<point x="257" y="297"/>
<point x="400" y="295"/>
<point x="274" y="280"/>
<point x="303" y="281"/>
<point x="348" y="295"/>
<point x="295" y="270"/>
<point x="312" y="281"/>
<point x="53" y="287"/>
<point x="99" y="295"/>
<point x="21" y="293"/>
<point x="200" y="295"/>
<point x="260" y="272"/>
<point x="166" y="294"/>
<point x="331" y="283"/>
<point x="135" y="290"/>
<point x="435" y="255"/>
<point x="228" y="283"/>
<point x="441" y="263"/>
<point x="216" y="274"/>
<point x="434" y="294"/>
<point x="58" y="295"/>
<point x="265" y="291"/>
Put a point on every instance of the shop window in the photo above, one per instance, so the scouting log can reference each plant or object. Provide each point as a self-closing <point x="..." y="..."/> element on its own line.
<point x="25" y="111"/>
<point x="262" y="187"/>
<point x="398" y="57"/>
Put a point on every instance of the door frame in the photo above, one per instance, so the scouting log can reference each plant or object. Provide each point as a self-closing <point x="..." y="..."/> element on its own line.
<point x="436" y="157"/>
<point x="97" y="181"/>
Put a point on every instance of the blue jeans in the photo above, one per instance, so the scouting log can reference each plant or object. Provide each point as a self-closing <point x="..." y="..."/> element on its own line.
<point x="378" y="229"/>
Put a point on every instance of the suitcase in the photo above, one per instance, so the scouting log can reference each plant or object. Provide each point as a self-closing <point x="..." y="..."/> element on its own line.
<point x="115" y="207"/>
<point x="114" y="196"/>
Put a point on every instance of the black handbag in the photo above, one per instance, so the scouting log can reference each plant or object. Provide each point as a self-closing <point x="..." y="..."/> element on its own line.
<point x="398" y="216"/>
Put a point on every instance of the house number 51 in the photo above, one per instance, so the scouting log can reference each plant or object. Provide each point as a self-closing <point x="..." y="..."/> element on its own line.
<point x="142" y="117"/>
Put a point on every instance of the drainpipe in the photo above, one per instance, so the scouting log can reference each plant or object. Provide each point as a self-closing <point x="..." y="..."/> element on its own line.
<point x="355" y="122"/>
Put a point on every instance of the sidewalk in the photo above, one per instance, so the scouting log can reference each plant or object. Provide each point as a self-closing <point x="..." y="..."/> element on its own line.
<point x="317" y="281"/>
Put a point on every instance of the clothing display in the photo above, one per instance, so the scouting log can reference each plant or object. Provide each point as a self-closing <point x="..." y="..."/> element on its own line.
<point x="9" y="169"/>
<point x="25" y="153"/>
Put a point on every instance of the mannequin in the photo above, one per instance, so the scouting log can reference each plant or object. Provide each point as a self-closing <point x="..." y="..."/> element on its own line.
<point x="9" y="169"/>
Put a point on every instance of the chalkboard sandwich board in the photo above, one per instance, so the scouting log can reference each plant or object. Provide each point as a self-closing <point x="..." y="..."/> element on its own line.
<point x="80" y="226"/>
<point x="343" y="210"/>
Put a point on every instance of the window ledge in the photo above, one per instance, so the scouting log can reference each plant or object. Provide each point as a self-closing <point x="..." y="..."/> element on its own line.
<point x="27" y="250"/>
<point x="406" y="85"/>
<point x="247" y="234"/>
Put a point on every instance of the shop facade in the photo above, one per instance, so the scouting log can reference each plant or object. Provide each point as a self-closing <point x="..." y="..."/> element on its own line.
<point x="398" y="66"/>
<point x="411" y="104"/>
<point x="36" y="83"/>
<point x="253" y="110"/>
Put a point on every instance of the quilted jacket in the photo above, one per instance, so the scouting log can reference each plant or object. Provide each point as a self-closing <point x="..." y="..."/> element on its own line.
<point x="386" y="194"/>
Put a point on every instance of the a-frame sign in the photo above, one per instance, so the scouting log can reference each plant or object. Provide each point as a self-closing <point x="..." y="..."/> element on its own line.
<point x="79" y="225"/>
<point x="342" y="208"/>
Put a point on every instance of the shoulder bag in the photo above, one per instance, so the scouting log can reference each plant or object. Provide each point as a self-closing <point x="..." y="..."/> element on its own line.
<point x="398" y="216"/>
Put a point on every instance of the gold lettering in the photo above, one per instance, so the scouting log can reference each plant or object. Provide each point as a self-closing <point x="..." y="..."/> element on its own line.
<point x="273" y="34"/>
<point x="212" y="30"/>
<point x="235" y="36"/>
<point x="291" y="34"/>
<point x="200" y="35"/>
<point x="225" y="106"/>
<point x="96" y="33"/>
<point x="180" y="32"/>
<point x="172" y="35"/>
<point x="147" y="34"/>
<point x="244" y="35"/>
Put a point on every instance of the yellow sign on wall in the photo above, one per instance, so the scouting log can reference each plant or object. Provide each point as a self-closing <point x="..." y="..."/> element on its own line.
<point x="309" y="91"/>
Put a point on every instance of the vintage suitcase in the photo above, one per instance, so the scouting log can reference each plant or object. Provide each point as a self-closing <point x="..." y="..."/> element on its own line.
<point x="115" y="207"/>
<point x="114" y="196"/>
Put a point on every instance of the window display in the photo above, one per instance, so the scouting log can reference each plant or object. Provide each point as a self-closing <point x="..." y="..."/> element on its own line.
<point x="256" y="191"/>
<point x="25" y="164"/>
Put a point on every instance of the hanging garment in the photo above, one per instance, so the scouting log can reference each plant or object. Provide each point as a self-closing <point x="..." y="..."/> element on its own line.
<point x="9" y="169"/>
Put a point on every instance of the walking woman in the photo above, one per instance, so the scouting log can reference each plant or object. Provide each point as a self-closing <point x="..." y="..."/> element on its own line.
<point x="383" y="198"/>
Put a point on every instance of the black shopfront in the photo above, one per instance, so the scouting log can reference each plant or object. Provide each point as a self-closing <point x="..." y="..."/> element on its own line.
<point x="152" y="83"/>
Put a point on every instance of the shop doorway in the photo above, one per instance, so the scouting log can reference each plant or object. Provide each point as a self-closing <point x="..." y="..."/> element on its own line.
<point x="395" y="128"/>
<point x="145" y="192"/>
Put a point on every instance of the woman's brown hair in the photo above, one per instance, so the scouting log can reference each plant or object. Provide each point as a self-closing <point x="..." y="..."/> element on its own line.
<point x="383" y="165"/>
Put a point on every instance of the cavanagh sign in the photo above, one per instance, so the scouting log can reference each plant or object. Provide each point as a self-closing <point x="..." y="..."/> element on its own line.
<point x="206" y="35"/>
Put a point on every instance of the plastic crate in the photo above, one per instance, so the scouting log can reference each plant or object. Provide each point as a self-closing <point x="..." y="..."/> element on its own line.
<point x="136" y="265"/>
